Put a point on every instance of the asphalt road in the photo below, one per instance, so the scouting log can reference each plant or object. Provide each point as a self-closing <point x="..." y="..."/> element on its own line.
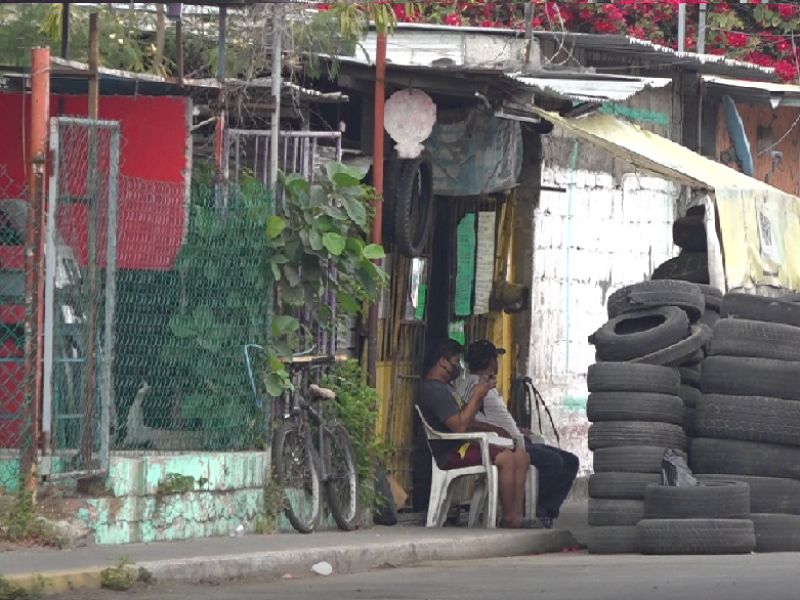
<point x="550" y="577"/>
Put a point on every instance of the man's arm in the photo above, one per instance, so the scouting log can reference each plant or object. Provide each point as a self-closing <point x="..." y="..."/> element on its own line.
<point x="463" y="419"/>
<point x="484" y="426"/>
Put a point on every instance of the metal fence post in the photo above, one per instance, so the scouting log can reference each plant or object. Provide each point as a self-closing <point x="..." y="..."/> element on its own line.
<point x="51" y="258"/>
<point x="107" y="398"/>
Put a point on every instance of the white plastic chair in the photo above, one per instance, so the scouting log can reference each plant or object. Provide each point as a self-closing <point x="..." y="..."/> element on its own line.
<point x="441" y="481"/>
<point x="479" y="496"/>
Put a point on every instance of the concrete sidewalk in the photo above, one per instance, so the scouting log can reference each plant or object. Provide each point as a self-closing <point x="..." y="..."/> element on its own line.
<point x="273" y="556"/>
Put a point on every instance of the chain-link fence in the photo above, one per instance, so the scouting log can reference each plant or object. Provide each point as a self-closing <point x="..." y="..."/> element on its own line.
<point x="181" y="381"/>
<point x="152" y="290"/>
<point x="14" y="435"/>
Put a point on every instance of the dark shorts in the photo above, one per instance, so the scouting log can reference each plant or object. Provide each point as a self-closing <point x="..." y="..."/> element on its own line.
<point x="472" y="457"/>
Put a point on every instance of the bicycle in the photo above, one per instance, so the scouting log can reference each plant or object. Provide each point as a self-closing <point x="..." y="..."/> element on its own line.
<point x="300" y="467"/>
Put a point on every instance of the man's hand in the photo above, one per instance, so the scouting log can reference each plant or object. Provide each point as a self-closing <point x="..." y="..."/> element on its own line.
<point x="461" y="422"/>
<point x="483" y="387"/>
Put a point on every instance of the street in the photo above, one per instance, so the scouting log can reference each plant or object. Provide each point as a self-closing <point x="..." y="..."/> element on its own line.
<point x="547" y="577"/>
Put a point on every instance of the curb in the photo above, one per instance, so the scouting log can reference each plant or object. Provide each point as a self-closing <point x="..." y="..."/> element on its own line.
<point x="57" y="582"/>
<point x="345" y="559"/>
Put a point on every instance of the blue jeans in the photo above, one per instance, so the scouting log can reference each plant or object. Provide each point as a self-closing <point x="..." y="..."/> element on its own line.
<point x="557" y="470"/>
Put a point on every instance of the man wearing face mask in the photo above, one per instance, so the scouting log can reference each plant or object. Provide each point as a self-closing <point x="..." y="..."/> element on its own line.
<point x="446" y="411"/>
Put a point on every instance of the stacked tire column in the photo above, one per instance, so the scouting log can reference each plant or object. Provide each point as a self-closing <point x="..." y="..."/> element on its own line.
<point x="636" y="415"/>
<point x="634" y="403"/>
<point x="713" y="518"/>
<point x="690" y="370"/>
<point x="748" y="419"/>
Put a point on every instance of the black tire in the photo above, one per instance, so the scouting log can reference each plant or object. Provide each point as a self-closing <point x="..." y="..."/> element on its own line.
<point x="615" y="513"/>
<point x="629" y="459"/>
<point x="342" y="486"/>
<point x="612" y="540"/>
<point x="741" y="337"/>
<point x="711" y="456"/>
<point x="689" y="266"/>
<point x="620" y="486"/>
<point x="690" y="376"/>
<point x="296" y="469"/>
<point x="759" y="308"/>
<point x="655" y="294"/>
<point x="690" y="396"/>
<point x="689" y="233"/>
<point x="744" y="376"/>
<point x="414" y="206"/>
<point x="713" y="297"/>
<point x="690" y="422"/>
<point x="767" y="494"/>
<point x="384" y="510"/>
<point x="776" y="533"/>
<point x="633" y="433"/>
<point x="749" y="419"/>
<point x="641" y="333"/>
<point x="712" y="500"/>
<point x="680" y="352"/>
<point x="393" y="167"/>
<point x="696" y="536"/>
<point x="710" y="318"/>
<point x="626" y="377"/>
<point x="700" y="355"/>
<point x="633" y="406"/>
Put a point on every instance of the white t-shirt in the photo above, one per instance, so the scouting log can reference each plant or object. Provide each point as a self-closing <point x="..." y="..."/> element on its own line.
<point x="494" y="409"/>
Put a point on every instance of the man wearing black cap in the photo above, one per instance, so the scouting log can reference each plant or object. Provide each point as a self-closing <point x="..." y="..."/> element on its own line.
<point x="557" y="468"/>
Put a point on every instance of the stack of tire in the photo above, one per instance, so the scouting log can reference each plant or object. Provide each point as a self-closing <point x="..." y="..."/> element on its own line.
<point x="636" y="415"/>
<point x="713" y="518"/>
<point x="690" y="370"/>
<point x="748" y="419"/>
<point x="634" y="403"/>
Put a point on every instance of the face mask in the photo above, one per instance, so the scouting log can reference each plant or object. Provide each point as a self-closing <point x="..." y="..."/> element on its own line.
<point x="455" y="371"/>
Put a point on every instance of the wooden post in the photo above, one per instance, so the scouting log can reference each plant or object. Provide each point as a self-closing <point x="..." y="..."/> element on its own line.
<point x="36" y="159"/>
<point x="87" y="434"/>
<point x="377" y="181"/>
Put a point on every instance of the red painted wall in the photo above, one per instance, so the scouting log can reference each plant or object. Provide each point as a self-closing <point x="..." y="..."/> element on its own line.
<point x="151" y="201"/>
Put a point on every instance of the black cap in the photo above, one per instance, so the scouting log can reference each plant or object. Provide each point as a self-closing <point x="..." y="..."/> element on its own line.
<point x="481" y="352"/>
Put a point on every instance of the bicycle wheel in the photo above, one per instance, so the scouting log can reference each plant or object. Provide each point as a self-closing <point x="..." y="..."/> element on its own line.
<point x="342" y="483"/>
<point x="297" y="475"/>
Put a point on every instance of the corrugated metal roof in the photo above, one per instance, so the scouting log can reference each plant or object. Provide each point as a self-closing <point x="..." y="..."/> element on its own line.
<point x="145" y="83"/>
<point x="588" y="88"/>
<point x="654" y="153"/>
<point x="613" y="44"/>
<point x="754" y="92"/>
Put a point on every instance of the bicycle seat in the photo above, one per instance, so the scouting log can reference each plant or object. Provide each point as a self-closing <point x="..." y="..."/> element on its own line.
<point x="321" y="393"/>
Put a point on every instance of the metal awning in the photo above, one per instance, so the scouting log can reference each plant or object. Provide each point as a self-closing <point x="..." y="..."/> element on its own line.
<point x="753" y="92"/>
<point x="758" y="223"/>
<point x="588" y="87"/>
<point x="654" y="153"/>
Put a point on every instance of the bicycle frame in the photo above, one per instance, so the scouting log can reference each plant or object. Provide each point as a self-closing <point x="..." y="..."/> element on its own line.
<point x="298" y="407"/>
<point x="302" y="410"/>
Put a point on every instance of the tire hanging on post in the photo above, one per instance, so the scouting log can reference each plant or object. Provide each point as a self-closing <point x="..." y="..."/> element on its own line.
<point x="413" y="205"/>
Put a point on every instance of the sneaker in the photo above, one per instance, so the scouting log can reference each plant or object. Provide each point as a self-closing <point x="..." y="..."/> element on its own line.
<point x="546" y="522"/>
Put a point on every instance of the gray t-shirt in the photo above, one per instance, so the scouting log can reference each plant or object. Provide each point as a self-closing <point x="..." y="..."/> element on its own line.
<point x="438" y="402"/>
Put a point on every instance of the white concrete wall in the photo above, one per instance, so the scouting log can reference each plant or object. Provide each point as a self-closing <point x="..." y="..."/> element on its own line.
<point x="599" y="235"/>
